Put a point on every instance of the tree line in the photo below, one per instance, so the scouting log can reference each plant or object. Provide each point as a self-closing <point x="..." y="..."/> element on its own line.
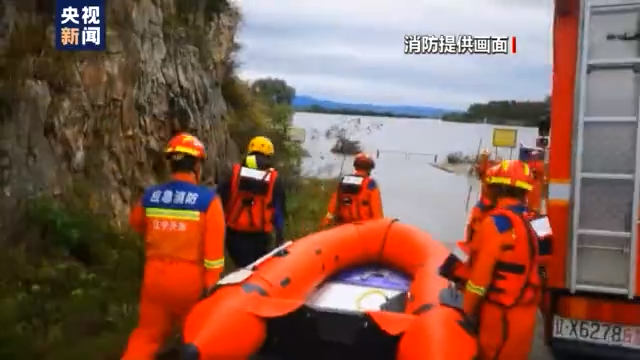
<point x="503" y="112"/>
<point x="346" y="111"/>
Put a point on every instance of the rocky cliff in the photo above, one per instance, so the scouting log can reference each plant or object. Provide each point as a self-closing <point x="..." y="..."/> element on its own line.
<point x="99" y="121"/>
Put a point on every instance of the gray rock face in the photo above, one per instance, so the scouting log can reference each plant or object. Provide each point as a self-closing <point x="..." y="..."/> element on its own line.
<point x="100" y="120"/>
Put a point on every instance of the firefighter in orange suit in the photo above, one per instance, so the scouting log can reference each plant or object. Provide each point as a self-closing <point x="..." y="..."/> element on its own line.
<point x="183" y="227"/>
<point x="455" y="267"/>
<point x="504" y="287"/>
<point x="357" y="197"/>
<point x="254" y="200"/>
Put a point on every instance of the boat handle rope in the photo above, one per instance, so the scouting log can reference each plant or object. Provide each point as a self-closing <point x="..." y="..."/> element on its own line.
<point x="367" y="294"/>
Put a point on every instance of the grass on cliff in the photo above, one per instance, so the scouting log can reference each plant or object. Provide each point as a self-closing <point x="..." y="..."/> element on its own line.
<point x="73" y="295"/>
<point x="307" y="205"/>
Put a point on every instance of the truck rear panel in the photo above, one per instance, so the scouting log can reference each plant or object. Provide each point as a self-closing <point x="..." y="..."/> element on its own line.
<point x="594" y="188"/>
<point x="605" y="184"/>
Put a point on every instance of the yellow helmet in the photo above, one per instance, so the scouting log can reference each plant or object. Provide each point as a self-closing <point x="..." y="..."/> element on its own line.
<point x="261" y="145"/>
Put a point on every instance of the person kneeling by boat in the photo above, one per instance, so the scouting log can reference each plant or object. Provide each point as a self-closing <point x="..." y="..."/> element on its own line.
<point x="254" y="202"/>
<point x="183" y="227"/>
<point x="357" y="197"/>
<point x="504" y="286"/>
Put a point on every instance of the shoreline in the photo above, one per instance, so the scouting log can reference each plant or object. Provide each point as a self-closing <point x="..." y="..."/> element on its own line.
<point x="460" y="169"/>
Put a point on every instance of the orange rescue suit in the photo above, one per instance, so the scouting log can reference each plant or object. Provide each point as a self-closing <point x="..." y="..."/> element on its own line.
<point x="250" y="207"/>
<point x="477" y="214"/>
<point x="454" y="269"/>
<point x="357" y="198"/>
<point x="183" y="228"/>
<point x="504" y="286"/>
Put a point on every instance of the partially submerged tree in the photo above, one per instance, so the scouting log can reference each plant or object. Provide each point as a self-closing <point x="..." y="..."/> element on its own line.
<point x="344" y="136"/>
<point x="460" y="158"/>
<point x="346" y="146"/>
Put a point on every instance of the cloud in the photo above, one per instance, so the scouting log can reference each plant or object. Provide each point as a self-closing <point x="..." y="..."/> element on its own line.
<point x="354" y="50"/>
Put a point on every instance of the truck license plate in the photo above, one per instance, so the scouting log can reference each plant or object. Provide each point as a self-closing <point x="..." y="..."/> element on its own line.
<point x="597" y="332"/>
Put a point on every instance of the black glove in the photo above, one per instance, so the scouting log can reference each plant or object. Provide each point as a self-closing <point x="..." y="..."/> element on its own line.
<point x="451" y="297"/>
<point x="470" y="324"/>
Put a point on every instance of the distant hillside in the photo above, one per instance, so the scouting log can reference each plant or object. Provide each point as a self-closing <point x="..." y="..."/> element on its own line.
<point x="308" y="103"/>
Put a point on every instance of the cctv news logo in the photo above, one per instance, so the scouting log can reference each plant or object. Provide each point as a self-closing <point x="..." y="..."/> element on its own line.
<point x="459" y="45"/>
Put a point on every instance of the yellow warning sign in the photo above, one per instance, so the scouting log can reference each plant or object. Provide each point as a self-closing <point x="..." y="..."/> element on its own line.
<point x="505" y="138"/>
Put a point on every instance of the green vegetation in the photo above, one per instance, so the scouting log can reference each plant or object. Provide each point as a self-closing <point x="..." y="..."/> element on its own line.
<point x="507" y="112"/>
<point x="322" y="110"/>
<point x="307" y="205"/>
<point x="69" y="288"/>
<point x="274" y="90"/>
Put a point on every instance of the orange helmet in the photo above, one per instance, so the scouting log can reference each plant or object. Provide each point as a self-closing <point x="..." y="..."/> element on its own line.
<point x="511" y="173"/>
<point x="186" y="144"/>
<point x="492" y="171"/>
<point x="363" y="161"/>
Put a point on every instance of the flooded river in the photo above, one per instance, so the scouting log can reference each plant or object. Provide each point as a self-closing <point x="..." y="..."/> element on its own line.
<point x="412" y="190"/>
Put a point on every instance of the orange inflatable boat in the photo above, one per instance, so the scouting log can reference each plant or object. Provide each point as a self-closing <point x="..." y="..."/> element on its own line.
<point x="364" y="290"/>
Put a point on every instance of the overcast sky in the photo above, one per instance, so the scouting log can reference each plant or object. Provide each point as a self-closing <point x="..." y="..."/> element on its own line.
<point x="353" y="50"/>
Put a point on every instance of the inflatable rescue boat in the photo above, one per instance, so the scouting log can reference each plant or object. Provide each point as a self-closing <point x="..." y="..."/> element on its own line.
<point x="367" y="290"/>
